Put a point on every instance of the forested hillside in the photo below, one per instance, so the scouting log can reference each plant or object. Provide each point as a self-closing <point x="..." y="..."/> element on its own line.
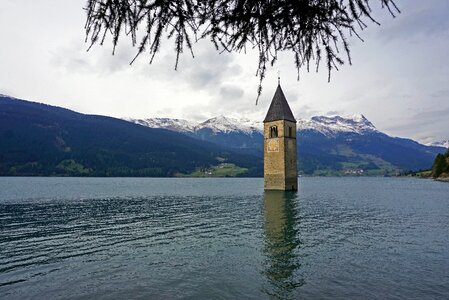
<point x="335" y="146"/>
<point x="38" y="139"/>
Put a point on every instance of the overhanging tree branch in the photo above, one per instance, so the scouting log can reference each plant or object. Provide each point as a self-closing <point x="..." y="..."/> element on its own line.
<point x="311" y="29"/>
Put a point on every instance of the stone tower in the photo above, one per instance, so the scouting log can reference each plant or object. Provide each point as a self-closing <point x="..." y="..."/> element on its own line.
<point x="280" y="172"/>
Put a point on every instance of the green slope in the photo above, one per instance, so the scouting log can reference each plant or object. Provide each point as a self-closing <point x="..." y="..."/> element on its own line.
<point x="38" y="139"/>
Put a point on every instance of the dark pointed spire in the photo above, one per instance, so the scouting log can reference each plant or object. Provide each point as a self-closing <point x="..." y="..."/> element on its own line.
<point x="279" y="109"/>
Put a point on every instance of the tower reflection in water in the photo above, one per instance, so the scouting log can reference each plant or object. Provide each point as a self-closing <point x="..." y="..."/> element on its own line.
<point x="282" y="263"/>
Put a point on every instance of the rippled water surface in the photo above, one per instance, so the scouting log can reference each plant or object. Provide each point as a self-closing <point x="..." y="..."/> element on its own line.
<point x="126" y="238"/>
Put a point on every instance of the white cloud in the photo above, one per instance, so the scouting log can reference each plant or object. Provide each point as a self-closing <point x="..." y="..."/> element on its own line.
<point x="398" y="79"/>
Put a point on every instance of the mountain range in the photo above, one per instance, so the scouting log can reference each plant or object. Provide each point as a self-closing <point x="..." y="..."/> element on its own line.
<point x="444" y="144"/>
<point x="39" y="139"/>
<point x="335" y="145"/>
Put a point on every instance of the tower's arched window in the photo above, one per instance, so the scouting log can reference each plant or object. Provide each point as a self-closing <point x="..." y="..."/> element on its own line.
<point x="290" y="133"/>
<point x="273" y="132"/>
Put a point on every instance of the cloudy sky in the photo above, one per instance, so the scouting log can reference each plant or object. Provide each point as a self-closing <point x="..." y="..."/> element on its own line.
<point x="399" y="78"/>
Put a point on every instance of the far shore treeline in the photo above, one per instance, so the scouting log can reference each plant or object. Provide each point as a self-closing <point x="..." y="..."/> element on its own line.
<point x="43" y="140"/>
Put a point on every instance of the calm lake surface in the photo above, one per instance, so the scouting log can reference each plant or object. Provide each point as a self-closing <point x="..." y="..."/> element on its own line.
<point x="141" y="238"/>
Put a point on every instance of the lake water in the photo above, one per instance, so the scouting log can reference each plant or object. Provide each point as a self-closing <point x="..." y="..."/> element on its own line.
<point x="141" y="238"/>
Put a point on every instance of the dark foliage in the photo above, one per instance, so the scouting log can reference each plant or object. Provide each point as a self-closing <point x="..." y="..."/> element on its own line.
<point x="312" y="29"/>
<point x="38" y="139"/>
<point x="440" y="166"/>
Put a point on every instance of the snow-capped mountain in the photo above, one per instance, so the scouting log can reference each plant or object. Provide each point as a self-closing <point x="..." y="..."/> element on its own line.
<point x="325" y="125"/>
<point x="324" y="143"/>
<point x="337" y="124"/>
<point x="178" y="125"/>
<point x="220" y="124"/>
<point x="223" y="124"/>
<point x="444" y="144"/>
<point x="242" y="135"/>
<point x="8" y="97"/>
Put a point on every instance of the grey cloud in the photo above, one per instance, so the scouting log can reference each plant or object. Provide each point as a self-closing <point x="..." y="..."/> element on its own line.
<point x="418" y="18"/>
<point x="305" y="112"/>
<point x="232" y="101"/>
<point x="99" y="60"/>
<point x="334" y="112"/>
<point x="424" y="125"/>
<point x="231" y="92"/>
<point x="432" y="115"/>
<point x="429" y="119"/>
<point x="194" y="114"/>
<point x="210" y="68"/>
<point x="165" y="112"/>
<point x="209" y="71"/>
<point x="204" y="72"/>
<point x="440" y="94"/>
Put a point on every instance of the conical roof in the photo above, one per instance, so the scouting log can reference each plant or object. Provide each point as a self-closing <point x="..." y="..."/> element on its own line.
<point x="279" y="109"/>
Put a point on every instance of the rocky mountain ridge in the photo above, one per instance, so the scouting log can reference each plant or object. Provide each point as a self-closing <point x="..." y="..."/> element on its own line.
<point x="44" y="140"/>
<point x="220" y="124"/>
<point x="444" y="144"/>
<point x="327" y="125"/>
<point x="327" y="145"/>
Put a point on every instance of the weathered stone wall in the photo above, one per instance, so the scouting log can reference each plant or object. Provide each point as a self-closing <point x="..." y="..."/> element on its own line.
<point x="274" y="167"/>
<point x="280" y="172"/>
<point x="291" y="172"/>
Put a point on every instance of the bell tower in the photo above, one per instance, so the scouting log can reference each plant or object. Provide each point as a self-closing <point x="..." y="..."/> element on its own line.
<point x="280" y="171"/>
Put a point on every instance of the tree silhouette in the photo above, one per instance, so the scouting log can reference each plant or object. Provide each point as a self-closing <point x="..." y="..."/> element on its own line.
<point x="312" y="29"/>
<point x="441" y="165"/>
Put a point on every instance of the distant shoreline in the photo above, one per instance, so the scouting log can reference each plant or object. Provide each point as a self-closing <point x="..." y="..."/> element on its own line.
<point x="442" y="179"/>
<point x="205" y="177"/>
